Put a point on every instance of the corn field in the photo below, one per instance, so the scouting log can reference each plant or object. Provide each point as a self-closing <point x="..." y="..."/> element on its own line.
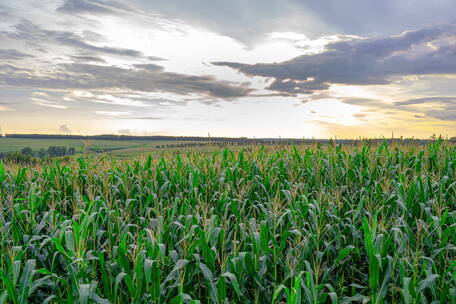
<point x="304" y="224"/>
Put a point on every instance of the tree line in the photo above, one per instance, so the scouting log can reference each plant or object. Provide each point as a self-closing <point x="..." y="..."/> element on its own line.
<point x="29" y="156"/>
<point x="52" y="151"/>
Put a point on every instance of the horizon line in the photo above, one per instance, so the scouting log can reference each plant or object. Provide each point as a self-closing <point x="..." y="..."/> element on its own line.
<point x="133" y="136"/>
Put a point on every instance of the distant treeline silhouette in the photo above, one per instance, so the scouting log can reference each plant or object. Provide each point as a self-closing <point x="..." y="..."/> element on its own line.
<point x="233" y="140"/>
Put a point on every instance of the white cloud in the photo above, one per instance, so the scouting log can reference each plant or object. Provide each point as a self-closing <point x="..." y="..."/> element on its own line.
<point x="113" y="113"/>
<point x="124" y="131"/>
<point x="64" y="129"/>
<point x="288" y="36"/>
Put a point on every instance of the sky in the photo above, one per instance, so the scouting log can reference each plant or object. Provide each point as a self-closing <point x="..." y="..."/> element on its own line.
<point x="254" y="68"/>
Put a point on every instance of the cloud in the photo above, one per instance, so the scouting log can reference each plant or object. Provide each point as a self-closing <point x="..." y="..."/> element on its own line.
<point x="374" y="61"/>
<point x="368" y="102"/>
<point x="149" y="67"/>
<point x="251" y="21"/>
<point x="4" y="12"/>
<point x="10" y="54"/>
<point x="142" y="118"/>
<point x="443" y="114"/>
<point x="360" y="115"/>
<point x="124" y="131"/>
<point x="155" y="58"/>
<point x="92" y="7"/>
<point x="140" y="78"/>
<point x="126" y="115"/>
<point x="246" y="21"/>
<point x="8" y="68"/>
<point x="47" y="99"/>
<point x="29" y="32"/>
<point x="113" y="113"/>
<point x="50" y="105"/>
<point x="64" y="129"/>
<point x="442" y="108"/>
<point x="384" y="17"/>
<point x="88" y="59"/>
<point x="414" y="101"/>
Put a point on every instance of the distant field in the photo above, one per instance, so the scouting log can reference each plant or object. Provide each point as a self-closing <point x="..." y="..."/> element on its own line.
<point x="151" y="148"/>
<point x="16" y="144"/>
<point x="118" y="148"/>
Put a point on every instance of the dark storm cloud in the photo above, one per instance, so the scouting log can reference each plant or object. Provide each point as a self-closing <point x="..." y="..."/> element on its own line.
<point x="145" y="78"/>
<point x="10" y="54"/>
<point x="362" y="61"/>
<point x="29" y="32"/>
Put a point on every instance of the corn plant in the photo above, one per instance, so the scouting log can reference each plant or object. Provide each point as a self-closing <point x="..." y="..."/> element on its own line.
<point x="305" y="224"/>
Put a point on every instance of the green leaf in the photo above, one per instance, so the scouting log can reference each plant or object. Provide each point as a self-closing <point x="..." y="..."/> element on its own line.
<point x="25" y="281"/>
<point x="277" y="292"/>
<point x="344" y="253"/>
<point x="234" y="282"/>
<point x="423" y="284"/>
<point x="11" y="289"/>
<point x="84" y="292"/>
<point x="207" y="273"/>
<point x="3" y="297"/>
<point x="179" y="265"/>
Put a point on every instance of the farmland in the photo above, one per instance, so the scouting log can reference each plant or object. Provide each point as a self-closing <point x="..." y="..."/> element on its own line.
<point x="291" y="224"/>
<point x="120" y="147"/>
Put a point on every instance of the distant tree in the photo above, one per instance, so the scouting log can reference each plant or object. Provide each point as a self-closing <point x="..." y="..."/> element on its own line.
<point x="55" y="151"/>
<point x="27" y="151"/>
<point x="52" y="151"/>
<point x="42" y="153"/>
<point x="18" y="158"/>
<point x="71" y="151"/>
<point x="63" y="151"/>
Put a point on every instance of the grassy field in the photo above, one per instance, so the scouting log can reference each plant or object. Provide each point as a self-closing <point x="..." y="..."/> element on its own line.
<point x="365" y="224"/>
<point x="118" y="148"/>
<point x="16" y="144"/>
